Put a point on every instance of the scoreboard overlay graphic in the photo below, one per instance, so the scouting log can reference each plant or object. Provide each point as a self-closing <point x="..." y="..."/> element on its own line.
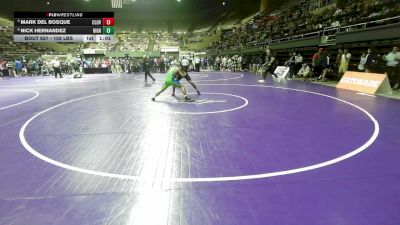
<point x="64" y="27"/>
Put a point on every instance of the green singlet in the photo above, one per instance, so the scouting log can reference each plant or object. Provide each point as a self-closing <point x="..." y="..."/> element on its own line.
<point x="170" y="80"/>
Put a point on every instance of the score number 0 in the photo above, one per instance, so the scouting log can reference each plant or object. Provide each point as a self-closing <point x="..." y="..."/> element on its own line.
<point x="108" y="21"/>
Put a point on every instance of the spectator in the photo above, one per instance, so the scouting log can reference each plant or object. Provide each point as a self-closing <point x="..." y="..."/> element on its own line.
<point x="338" y="12"/>
<point x="344" y="63"/>
<point x="56" y="67"/>
<point x="392" y="67"/>
<point x="185" y="64"/>
<point x="162" y="64"/>
<point x="197" y="64"/>
<point x="147" y="66"/>
<point x="363" y="60"/>
<point x="18" y="67"/>
<point x="304" y="72"/>
<point x="269" y="65"/>
<point x="11" y="68"/>
<point x="317" y="62"/>
<point x="327" y="67"/>
<point x="371" y="61"/>
<point x="174" y="62"/>
<point x="299" y="61"/>
<point x="224" y="63"/>
<point x="335" y="24"/>
<point x="217" y="63"/>
<point x="338" y="57"/>
<point x="3" y="68"/>
<point x="291" y="63"/>
<point x="240" y="65"/>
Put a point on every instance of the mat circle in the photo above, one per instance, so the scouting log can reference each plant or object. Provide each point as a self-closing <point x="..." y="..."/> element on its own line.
<point x="352" y="153"/>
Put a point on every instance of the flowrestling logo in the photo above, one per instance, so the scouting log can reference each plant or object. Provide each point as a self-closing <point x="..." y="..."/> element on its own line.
<point x="64" y="15"/>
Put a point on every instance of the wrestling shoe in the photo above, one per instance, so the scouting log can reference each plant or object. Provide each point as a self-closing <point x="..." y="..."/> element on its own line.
<point x="261" y="81"/>
<point x="153" y="99"/>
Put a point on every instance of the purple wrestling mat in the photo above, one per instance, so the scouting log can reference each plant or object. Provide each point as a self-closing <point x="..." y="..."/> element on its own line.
<point x="98" y="151"/>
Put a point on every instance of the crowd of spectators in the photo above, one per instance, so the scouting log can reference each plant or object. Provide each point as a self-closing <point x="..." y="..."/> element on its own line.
<point x="46" y="66"/>
<point x="166" y="40"/>
<point x="131" y="42"/>
<point x="267" y="26"/>
<point x="304" y="17"/>
<point x="197" y="37"/>
<point x="124" y="42"/>
<point x="24" y="59"/>
<point x="322" y="65"/>
<point x="327" y="64"/>
<point x="37" y="66"/>
<point x="9" y="48"/>
<point x="139" y="42"/>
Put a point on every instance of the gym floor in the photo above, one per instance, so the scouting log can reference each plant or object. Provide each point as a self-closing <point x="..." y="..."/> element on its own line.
<point x="98" y="151"/>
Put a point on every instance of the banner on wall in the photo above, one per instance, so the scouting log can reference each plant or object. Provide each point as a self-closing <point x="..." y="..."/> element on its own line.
<point x="169" y="49"/>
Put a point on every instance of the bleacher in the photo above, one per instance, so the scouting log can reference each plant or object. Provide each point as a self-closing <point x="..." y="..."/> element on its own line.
<point x="165" y="40"/>
<point x="9" y="49"/>
<point x="298" y="19"/>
